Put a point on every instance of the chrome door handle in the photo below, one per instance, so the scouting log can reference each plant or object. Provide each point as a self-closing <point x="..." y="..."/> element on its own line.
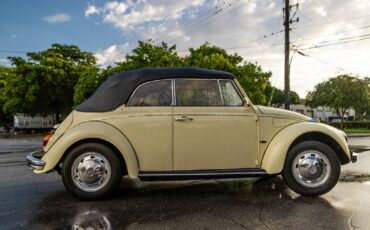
<point x="183" y="118"/>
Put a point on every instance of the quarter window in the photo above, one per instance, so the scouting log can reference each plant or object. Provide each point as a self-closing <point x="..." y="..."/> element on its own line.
<point x="156" y="93"/>
<point x="194" y="92"/>
<point x="230" y="96"/>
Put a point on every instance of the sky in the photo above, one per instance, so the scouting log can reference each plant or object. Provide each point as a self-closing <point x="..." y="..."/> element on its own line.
<point x="332" y="36"/>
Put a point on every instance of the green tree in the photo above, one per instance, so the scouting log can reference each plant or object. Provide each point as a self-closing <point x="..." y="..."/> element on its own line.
<point x="278" y="97"/>
<point x="339" y="93"/>
<point x="254" y="81"/>
<point x="147" y="54"/>
<point x="363" y="109"/>
<point x="212" y="57"/>
<point x="6" y="118"/>
<point x="45" y="82"/>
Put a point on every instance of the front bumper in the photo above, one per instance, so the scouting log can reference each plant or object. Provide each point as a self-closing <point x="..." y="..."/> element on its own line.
<point x="354" y="157"/>
<point x="34" y="160"/>
<point x="356" y="149"/>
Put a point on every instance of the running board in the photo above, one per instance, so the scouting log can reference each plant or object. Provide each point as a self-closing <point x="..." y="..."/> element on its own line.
<point x="200" y="174"/>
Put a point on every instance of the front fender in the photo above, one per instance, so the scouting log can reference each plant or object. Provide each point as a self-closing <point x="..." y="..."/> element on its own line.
<point x="96" y="130"/>
<point x="274" y="156"/>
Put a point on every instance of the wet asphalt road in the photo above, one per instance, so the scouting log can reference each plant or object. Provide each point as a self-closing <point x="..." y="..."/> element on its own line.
<point x="29" y="201"/>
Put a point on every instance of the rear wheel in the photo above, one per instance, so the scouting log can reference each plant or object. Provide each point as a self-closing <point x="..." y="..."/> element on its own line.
<point x="311" y="168"/>
<point x="91" y="171"/>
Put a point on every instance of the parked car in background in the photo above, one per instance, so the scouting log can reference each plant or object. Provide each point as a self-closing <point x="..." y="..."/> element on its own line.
<point x="187" y="123"/>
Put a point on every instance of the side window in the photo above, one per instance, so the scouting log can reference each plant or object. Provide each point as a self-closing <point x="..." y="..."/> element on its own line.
<point x="194" y="92"/>
<point x="230" y="96"/>
<point x="156" y="93"/>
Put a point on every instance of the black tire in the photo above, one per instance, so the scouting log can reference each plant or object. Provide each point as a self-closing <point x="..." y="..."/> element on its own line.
<point x="113" y="181"/>
<point x="298" y="187"/>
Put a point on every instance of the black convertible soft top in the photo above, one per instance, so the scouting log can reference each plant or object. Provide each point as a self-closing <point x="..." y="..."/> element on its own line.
<point x="116" y="90"/>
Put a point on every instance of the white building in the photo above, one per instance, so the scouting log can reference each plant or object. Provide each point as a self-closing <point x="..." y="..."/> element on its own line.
<point x="23" y="121"/>
<point x="322" y="113"/>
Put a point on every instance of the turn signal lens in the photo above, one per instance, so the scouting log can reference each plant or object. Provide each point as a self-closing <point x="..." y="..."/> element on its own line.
<point x="46" y="139"/>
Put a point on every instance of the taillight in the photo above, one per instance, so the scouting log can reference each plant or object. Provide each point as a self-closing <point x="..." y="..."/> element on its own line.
<point x="46" y="139"/>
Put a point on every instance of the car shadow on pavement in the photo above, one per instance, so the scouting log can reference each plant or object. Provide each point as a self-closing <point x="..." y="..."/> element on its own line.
<point x="216" y="204"/>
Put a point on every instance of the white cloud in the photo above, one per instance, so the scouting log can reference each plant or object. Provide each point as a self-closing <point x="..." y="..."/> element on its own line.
<point x="243" y="24"/>
<point x="112" y="54"/>
<point x="91" y="10"/>
<point x="57" y="18"/>
<point x="4" y="62"/>
<point x="126" y="15"/>
<point x="321" y="11"/>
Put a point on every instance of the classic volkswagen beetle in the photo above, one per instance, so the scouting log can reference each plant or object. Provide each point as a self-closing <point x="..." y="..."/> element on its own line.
<point x="187" y="123"/>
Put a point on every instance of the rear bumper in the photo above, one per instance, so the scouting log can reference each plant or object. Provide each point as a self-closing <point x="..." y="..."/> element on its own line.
<point x="34" y="160"/>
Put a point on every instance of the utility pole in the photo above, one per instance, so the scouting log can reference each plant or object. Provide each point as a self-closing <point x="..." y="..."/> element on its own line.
<point x="286" y="60"/>
<point x="287" y="22"/>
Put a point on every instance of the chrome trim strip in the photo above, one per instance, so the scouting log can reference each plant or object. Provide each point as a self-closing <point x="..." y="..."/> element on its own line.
<point x="177" y="114"/>
<point x="219" y="90"/>
<point x="34" y="162"/>
<point x="183" y="118"/>
<point x="215" y="114"/>
<point x="173" y="92"/>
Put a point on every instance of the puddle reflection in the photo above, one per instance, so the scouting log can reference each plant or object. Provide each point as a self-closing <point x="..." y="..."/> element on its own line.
<point x="197" y="204"/>
<point x="91" y="220"/>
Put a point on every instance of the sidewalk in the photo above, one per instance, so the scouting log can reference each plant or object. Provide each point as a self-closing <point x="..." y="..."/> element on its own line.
<point x="358" y="134"/>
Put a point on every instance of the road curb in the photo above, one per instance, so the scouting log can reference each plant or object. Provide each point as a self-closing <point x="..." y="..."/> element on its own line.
<point x="358" y="134"/>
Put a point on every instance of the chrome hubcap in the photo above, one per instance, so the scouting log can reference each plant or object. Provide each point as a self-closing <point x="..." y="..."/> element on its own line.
<point x="311" y="168"/>
<point x="91" y="171"/>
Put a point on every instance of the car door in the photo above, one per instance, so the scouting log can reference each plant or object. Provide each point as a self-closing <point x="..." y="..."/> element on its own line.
<point x="212" y="128"/>
<point x="146" y="121"/>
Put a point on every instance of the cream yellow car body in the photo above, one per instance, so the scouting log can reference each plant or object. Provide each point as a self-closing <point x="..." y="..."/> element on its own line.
<point x="259" y="138"/>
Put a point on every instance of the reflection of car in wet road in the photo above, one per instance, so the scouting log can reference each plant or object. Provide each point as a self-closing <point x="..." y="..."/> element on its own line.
<point x="29" y="201"/>
<point x="187" y="123"/>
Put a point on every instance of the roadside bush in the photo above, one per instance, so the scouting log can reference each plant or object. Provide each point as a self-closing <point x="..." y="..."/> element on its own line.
<point x="352" y="124"/>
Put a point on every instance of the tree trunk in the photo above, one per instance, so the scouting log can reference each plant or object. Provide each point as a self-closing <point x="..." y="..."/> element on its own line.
<point x="341" y="118"/>
<point x="57" y="114"/>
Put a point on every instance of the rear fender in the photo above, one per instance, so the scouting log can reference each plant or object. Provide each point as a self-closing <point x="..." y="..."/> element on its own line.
<point x="92" y="130"/>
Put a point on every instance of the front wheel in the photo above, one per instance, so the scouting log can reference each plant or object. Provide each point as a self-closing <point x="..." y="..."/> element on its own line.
<point x="91" y="171"/>
<point x="311" y="168"/>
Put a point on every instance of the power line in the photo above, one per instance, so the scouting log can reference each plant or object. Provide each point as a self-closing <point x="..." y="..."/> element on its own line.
<point x="205" y="22"/>
<point x="238" y="47"/>
<point x="336" y="33"/>
<point x="215" y="10"/>
<point x="305" y="54"/>
<point x="337" y="41"/>
<point x="263" y="37"/>
<point x="327" y="23"/>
